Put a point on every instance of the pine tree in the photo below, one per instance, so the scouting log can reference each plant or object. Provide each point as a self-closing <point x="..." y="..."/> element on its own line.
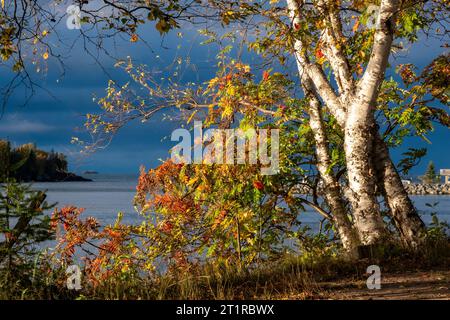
<point x="430" y="175"/>
<point x="23" y="226"/>
<point x="5" y="154"/>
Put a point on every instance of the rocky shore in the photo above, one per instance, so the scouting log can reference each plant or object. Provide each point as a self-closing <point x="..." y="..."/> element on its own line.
<point x="411" y="188"/>
<point x="427" y="189"/>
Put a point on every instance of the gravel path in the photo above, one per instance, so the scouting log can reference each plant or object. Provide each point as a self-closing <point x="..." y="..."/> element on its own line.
<point x="412" y="285"/>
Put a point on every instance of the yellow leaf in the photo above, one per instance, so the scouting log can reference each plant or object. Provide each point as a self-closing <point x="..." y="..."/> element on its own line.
<point x="45" y="55"/>
<point x="191" y="116"/>
<point x="320" y="24"/>
<point x="231" y="91"/>
<point x="3" y="4"/>
<point x="213" y="82"/>
<point x="227" y="111"/>
<point x="192" y="181"/>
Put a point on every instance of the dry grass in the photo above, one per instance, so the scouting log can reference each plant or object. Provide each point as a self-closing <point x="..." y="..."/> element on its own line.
<point x="316" y="277"/>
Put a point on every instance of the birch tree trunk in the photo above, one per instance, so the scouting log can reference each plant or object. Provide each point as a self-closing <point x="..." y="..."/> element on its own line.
<point x="409" y="224"/>
<point x="361" y="176"/>
<point x="360" y="130"/>
<point x="367" y="157"/>
<point x="333" y="196"/>
<point x="358" y="125"/>
<point x="332" y="191"/>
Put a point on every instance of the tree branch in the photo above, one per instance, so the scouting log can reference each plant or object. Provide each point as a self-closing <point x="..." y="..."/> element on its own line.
<point x="368" y="87"/>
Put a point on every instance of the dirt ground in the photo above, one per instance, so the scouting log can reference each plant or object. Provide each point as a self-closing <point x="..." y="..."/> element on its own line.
<point x="433" y="285"/>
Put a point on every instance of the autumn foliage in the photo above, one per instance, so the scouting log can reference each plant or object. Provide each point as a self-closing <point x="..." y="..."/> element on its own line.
<point x="105" y="252"/>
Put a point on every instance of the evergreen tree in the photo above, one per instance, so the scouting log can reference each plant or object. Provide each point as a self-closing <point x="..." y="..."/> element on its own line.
<point x="430" y="175"/>
<point x="23" y="226"/>
<point x="5" y="154"/>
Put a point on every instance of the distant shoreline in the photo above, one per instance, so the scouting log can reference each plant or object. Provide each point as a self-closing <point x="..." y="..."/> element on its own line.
<point x="64" y="177"/>
<point x="90" y="172"/>
<point x="27" y="163"/>
<point x="71" y="177"/>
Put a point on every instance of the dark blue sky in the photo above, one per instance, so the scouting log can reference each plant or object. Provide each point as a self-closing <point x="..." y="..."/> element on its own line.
<point x="51" y="122"/>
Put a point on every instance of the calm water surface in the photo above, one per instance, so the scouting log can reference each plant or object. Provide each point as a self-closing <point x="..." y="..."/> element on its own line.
<point x="108" y="194"/>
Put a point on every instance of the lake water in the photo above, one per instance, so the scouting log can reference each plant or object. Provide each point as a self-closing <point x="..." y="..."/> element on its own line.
<point x="108" y="194"/>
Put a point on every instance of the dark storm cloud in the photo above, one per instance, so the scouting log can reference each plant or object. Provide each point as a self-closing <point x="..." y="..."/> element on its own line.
<point x="52" y="120"/>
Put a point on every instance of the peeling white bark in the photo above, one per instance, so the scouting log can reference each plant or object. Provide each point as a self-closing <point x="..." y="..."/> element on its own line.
<point x="314" y="71"/>
<point x="333" y="41"/>
<point x="360" y="130"/>
<point x="361" y="177"/>
<point x="333" y="195"/>
<point x="407" y="221"/>
<point x="358" y="153"/>
<point x="368" y="86"/>
<point x="367" y="157"/>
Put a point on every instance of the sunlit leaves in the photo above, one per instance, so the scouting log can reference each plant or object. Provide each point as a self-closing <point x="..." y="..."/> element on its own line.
<point x="410" y="22"/>
<point x="212" y="210"/>
<point x="7" y="48"/>
<point x="436" y="78"/>
<point x="107" y="253"/>
<point x="410" y="111"/>
<point x="217" y="211"/>
<point x="406" y="71"/>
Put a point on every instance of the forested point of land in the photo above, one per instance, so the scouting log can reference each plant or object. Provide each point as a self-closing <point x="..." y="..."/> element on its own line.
<point x="28" y="163"/>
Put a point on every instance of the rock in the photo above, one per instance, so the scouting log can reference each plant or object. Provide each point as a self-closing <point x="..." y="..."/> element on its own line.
<point x="427" y="189"/>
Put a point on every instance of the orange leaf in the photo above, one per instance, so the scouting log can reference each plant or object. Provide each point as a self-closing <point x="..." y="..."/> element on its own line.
<point x="359" y="69"/>
<point x="134" y="38"/>
<point x="356" y="25"/>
